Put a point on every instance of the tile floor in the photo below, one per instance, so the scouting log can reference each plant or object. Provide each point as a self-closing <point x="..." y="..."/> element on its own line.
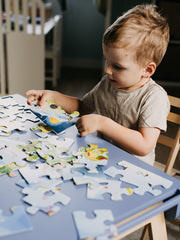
<point x="76" y="82"/>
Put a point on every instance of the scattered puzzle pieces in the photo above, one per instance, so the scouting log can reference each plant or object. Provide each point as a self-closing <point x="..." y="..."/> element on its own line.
<point x="143" y="180"/>
<point x="7" y="101"/>
<point x="16" y="223"/>
<point x="56" y="154"/>
<point x="94" y="227"/>
<point x="39" y="200"/>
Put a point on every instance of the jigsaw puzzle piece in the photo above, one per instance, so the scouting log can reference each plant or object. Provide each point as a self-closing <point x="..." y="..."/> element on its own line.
<point x="31" y="151"/>
<point x="7" y="101"/>
<point x="10" y="111"/>
<point x="143" y="180"/>
<point x="88" y="177"/>
<point x="9" y="169"/>
<point x="65" y="171"/>
<point x="84" y="171"/>
<point x="97" y="190"/>
<point x="94" y="227"/>
<point x="62" y="144"/>
<point x="27" y="116"/>
<point x="54" y="116"/>
<point x="91" y="156"/>
<point x="151" y="177"/>
<point x="43" y="128"/>
<point x="56" y="153"/>
<point x="45" y="182"/>
<point x="8" y="126"/>
<point x="13" y="224"/>
<point x="39" y="200"/>
<point x="41" y="170"/>
<point x="11" y="154"/>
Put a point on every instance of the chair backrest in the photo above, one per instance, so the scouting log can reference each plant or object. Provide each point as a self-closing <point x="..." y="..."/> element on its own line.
<point x="173" y="143"/>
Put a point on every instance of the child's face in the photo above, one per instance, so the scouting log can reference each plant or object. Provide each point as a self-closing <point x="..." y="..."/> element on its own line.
<point x="122" y="70"/>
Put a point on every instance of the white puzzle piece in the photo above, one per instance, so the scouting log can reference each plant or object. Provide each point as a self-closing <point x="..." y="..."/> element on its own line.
<point x="7" y="127"/>
<point x="45" y="203"/>
<point x="94" y="227"/>
<point x="7" y="101"/>
<point x="97" y="190"/>
<point x="9" y="152"/>
<point x="143" y="180"/>
<point x="41" y="170"/>
<point x="44" y="182"/>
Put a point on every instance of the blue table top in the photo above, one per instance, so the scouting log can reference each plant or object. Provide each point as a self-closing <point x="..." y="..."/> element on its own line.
<point x="61" y="225"/>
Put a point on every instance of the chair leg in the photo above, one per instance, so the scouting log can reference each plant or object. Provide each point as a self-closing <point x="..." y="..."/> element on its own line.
<point x="145" y="233"/>
<point x="173" y="154"/>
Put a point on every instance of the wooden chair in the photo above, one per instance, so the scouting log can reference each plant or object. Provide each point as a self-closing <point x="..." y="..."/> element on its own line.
<point x="174" y="144"/>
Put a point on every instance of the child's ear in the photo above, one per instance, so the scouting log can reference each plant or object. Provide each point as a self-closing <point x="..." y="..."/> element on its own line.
<point x="149" y="69"/>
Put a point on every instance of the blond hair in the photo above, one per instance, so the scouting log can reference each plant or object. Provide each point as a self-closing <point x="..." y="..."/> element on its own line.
<point x="141" y="27"/>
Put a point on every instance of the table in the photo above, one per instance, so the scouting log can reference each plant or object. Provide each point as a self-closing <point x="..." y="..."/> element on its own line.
<point x="146" y="208"/>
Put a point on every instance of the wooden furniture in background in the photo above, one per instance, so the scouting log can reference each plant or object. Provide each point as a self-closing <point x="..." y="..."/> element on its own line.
<point x="2" y="69"/>
<point x="173" y="143"/>
<point x="23" y="46"/>
<point x="53" y="51"/>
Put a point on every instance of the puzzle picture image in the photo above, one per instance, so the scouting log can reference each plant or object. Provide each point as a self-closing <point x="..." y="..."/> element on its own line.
<point x="54" y="116"/>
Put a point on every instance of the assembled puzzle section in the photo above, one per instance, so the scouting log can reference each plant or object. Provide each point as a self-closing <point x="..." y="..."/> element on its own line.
<point x="54" y="116"/>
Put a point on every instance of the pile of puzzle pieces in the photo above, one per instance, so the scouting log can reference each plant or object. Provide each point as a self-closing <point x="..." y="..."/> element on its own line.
<point x="46" y="162"/>
<point x="13" y="116"/>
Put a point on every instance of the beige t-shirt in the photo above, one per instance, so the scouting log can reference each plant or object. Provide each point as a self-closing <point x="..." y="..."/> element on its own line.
<point x="144" y="107"/>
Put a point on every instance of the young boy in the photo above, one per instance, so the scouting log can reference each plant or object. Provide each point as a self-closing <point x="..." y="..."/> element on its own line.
<point x="131" y="109"/>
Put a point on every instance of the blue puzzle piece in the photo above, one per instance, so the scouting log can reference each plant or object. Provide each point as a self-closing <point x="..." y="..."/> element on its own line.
<point x="16" y="223"/>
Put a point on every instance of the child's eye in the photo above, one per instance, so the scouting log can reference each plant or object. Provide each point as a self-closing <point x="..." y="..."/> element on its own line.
<point x="116" y="67"/>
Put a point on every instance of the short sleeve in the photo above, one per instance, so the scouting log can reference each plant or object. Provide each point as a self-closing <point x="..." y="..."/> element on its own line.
<point x="89" y="98"/>
<point x="155" y="109"/>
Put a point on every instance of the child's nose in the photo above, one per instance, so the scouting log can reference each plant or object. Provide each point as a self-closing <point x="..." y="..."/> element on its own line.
<point x="107" y="69"/>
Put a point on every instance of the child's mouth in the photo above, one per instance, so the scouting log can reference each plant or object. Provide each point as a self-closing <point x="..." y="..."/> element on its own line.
<point x="111" y="80"/>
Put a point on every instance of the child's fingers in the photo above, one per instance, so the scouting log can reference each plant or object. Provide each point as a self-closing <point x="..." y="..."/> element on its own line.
<point x="30" y="100"/>
<point x="34" y="95"/>
<point x="44" y="98"/>
<point x="32" y="92"/>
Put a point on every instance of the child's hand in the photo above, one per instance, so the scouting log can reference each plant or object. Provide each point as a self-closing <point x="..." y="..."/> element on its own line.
<point x="88" y="124"/>
<point x="39" y="95"/>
